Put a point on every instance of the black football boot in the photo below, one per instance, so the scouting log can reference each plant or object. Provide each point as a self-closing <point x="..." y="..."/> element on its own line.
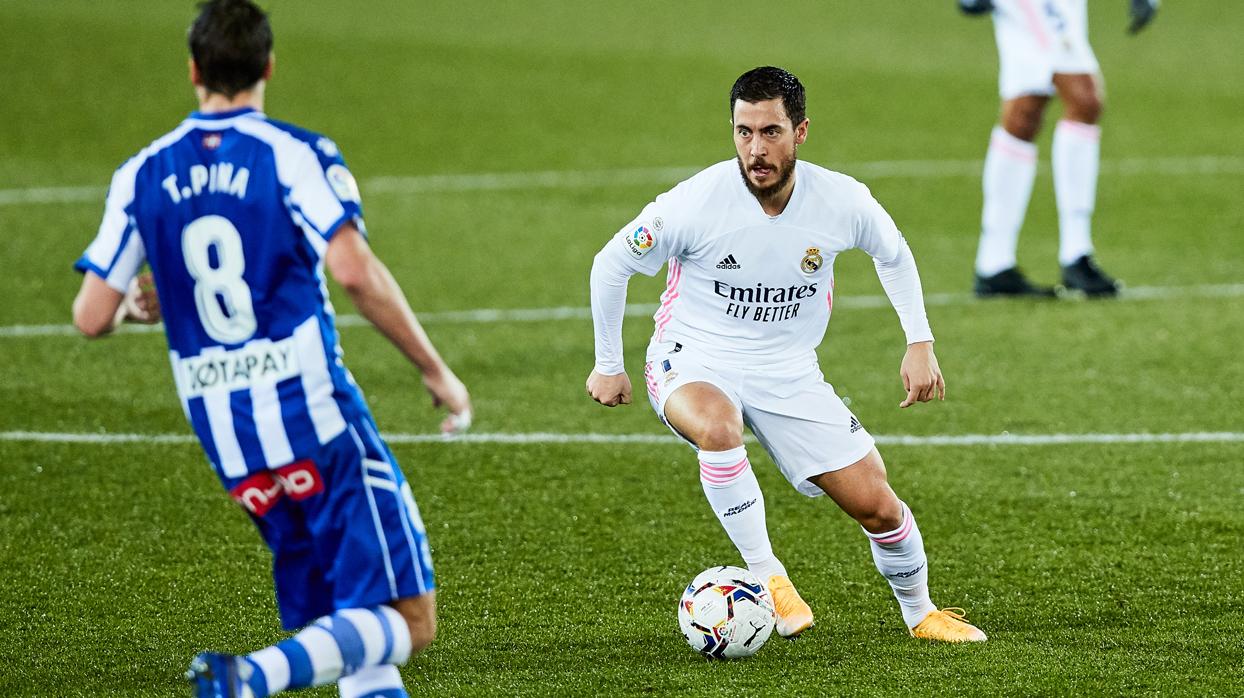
<point x="1009" y="282"/>
<point x="1085" y="276"/>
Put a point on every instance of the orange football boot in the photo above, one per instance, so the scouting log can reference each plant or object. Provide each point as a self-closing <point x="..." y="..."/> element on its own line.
<point x="947" y="625"/>
<point x="793" y="613"/>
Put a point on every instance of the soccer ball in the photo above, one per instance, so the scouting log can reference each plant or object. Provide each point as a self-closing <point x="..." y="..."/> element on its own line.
<point x="726" y="613"/>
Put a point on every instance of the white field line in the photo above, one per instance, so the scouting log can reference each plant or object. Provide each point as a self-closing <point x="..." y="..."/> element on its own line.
<point x="495" y="315"/>
<point x="1003" y="439"/>
<point x="592" y="179"/>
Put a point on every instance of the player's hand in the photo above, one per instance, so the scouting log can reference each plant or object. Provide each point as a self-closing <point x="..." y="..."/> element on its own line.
<point x="922" y="377"/>
<point x="609" y="391"/>
<point x="447" y="391"/>
<point x="976" y="7"/>
<point x="1142" y="13"/>
<point x="140" y="303"/>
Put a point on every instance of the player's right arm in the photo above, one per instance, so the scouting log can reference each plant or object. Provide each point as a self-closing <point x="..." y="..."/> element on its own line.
<point x="608" y="383"/>
<point x="640" y="247"/>
<point x="99" y="308"/>
<point x="378" y="298"/>
<point x="112" y="289"/>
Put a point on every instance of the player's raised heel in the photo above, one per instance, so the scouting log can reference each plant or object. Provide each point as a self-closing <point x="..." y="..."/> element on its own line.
<point x="793" y="614"/>
<point x="947" y="625"/>
<point x="215" y="675"/>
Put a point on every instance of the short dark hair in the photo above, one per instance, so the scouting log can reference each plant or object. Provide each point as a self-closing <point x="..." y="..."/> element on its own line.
<point x="230" y="42"/>
<point x="767" y="82"/>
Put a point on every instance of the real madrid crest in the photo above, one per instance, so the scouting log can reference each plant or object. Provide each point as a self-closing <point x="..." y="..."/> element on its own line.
<point x="812" y="261"/>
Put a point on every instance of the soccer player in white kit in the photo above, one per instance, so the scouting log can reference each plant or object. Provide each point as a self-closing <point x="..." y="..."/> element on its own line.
<point x="1043" y="50"/>
<point x="750" y="245"/>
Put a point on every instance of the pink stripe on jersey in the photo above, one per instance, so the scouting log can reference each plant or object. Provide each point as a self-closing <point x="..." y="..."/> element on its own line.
<point x="901" y="533"/>
<point x="720" y="475"/>
<point x="665" y="314"/>
<point x="1002" y="144"/>
<point x="1089" y="131"/>
<point x="1034" y="23"/>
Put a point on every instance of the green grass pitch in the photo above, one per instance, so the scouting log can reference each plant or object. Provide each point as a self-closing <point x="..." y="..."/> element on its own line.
<point x="1096" y="569"/>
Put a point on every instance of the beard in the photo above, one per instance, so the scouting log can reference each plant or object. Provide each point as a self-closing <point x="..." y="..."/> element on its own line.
<point x="784" y="170"/>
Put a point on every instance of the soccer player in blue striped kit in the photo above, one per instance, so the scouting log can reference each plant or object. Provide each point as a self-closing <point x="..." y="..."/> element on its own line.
<point x="237" y="216"/>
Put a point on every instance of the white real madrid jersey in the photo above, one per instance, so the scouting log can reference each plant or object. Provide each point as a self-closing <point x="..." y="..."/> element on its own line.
<point x="743" y="286"/>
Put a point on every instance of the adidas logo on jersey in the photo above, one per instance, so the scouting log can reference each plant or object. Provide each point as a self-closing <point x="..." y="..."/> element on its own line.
<point x="729" y="263"/>
<point x="855" y="424"/>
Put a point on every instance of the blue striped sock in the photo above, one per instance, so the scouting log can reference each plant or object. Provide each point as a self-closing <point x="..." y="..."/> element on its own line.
<point x="330" y="648"/>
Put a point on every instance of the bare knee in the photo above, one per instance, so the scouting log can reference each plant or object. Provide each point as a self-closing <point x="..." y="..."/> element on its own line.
<point x="422" y="633"/>
<point x="1081" y="96"/>
<point x="881" y="514"/>
<point x="721" y="433"/>
<point x="419" y="613"/>
<point x="1086" y="109"/>
<point x="1022" y="116"/>
<point x="863" y="492"/>
<point x="705" y="415"/>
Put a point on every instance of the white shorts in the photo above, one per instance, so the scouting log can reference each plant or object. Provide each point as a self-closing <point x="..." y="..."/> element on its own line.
<point x="797" y="417"/>
<point x="1036" y="40"/>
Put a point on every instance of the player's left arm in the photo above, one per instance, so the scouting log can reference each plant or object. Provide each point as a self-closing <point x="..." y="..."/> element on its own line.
<point x="379" y="298"/>
<point x="877" y="235"/>
<point x="326" y="199"/>
<point x="99" y="308"/>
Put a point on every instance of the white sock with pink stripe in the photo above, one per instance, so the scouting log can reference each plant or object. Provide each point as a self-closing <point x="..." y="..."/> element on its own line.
<point x="1076" y="159"/>
<point x="899" y="555"/>
<point x="732" y="491"/>
<point x="1010" y="169"/>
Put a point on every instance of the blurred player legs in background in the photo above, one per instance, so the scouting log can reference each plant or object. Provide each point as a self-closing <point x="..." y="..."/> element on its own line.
<point x="237" y="216"/>
<point x="1043" y="50"/>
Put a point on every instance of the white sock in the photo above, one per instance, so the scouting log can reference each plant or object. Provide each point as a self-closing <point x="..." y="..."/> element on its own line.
<point x="382" y="681"/>
<point x="899" y="555"/>
<point x="328" y="649"/>
<point x="1010" y="169"/>
<point x="1077" y="155"/>
<point x="732" y="491"/>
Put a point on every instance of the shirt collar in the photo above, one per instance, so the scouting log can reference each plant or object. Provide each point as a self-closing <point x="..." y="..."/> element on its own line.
<point x="222" y="115"/>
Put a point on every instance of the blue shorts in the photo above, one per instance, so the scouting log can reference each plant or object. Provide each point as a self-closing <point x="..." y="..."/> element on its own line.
<point x="343" y="528"/>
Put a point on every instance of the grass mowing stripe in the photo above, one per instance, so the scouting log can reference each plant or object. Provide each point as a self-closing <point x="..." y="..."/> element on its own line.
<point x="590" y="179"/>
<point x="491" y="315"/>
<point x="1004" y="439"/>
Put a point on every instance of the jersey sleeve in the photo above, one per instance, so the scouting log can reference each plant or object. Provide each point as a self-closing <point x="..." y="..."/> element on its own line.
<point x="876" y="234"/>
<point x="323" y="193"/>
<point x="642" y="246"/>
<point x="117" y="253"/>
<point x="655" y="236"/>
<point x="874" y="230"/>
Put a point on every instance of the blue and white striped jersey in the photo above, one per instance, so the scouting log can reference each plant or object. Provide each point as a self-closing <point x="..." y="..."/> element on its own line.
<point x="233" y="212"/>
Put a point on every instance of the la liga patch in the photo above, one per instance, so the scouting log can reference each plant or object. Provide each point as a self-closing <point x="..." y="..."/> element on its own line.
<point x="639" y="241"/>
<point x="343" y="183"/>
